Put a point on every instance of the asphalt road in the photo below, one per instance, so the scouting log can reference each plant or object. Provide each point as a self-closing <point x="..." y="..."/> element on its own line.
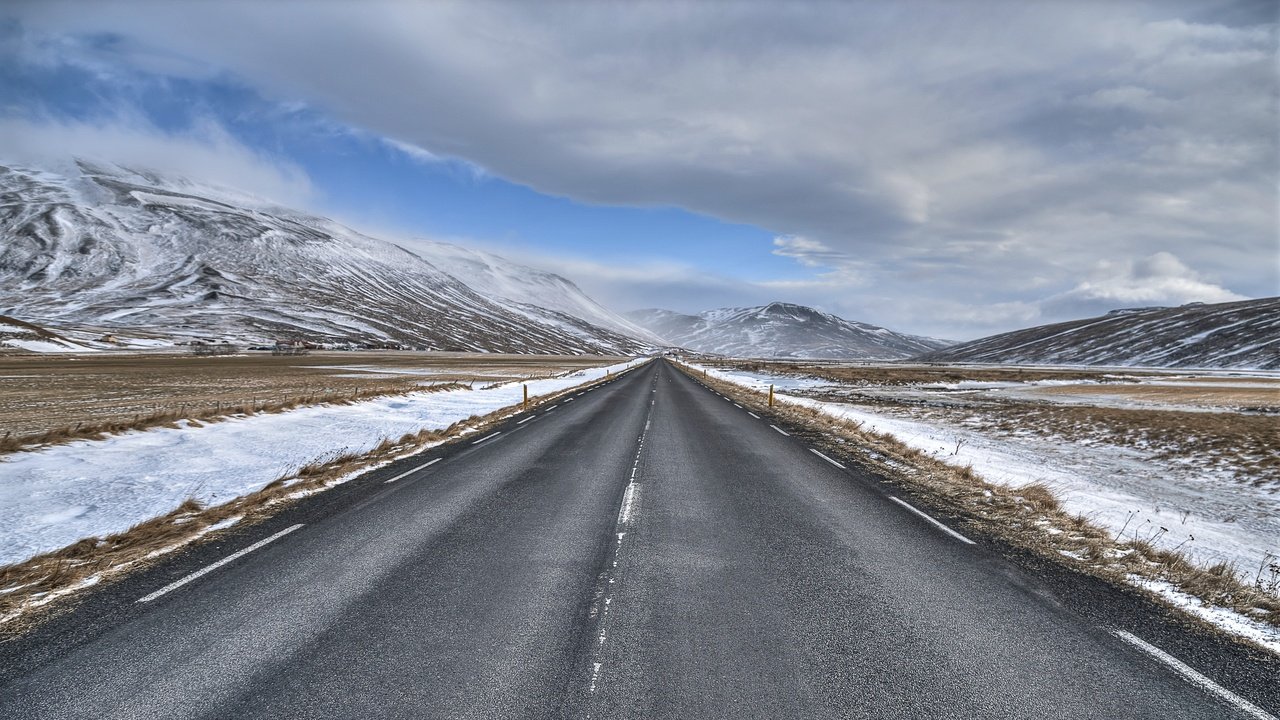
<point x="644" y="550"/>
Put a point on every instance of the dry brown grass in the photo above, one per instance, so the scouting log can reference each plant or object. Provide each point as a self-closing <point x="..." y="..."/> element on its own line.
<point x="198" y="416"/>
<point x="903" y="374"/>
<point x="1029" y="517"/>
<point x="44" y="584"/>
<point x="50" y="395"/>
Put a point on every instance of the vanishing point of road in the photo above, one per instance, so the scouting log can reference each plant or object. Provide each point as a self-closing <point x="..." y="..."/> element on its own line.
<point x="644" y="549"/>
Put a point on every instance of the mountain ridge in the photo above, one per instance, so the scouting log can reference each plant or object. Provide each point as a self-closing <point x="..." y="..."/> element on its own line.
<point x="1243" y="334"/>
<point x="781" y="330"/>
<point x="123" y="249"/>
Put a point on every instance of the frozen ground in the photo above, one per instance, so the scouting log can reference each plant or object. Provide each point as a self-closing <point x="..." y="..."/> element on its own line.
<point x="1212" y="516"/>
<point x="56" y="496"/>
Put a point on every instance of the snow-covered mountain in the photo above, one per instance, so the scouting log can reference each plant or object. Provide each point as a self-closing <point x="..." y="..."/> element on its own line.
<point x="781" y="330"/>
<point x="495" y="276"/>
<point x="1243" y="334"/>
<point x="119" y="249"/>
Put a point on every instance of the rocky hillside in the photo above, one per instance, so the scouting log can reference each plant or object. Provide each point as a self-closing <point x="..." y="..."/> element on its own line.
<point x="128" y="251"/>
<point x="1242" y="334"/>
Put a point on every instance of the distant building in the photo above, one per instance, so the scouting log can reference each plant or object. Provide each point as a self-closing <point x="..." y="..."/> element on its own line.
<point x="291" y="347"/>
<point x="206" y="349"/>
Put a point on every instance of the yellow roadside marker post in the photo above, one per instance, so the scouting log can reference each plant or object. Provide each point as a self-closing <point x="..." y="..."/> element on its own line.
<point x="526" y="395"/>
<point x="770" y="396"/>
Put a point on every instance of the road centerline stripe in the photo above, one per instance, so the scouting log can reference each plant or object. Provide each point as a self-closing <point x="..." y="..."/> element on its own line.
<point x="1189" y="674"/>
<point x="487" y="437"/>
<point x="753" y="415"/>
<point x="210" y="568"/>
<point x="936" y="524"/>
<point x="410" y="472"/>
<point x="784" y="432"/>
<point x="521" y="422"/>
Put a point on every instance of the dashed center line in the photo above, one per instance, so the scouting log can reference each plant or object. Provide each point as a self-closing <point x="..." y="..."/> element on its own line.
<point x="937" y="524"/>
<point x="410" y="472"/>
<point x="487" y="437"/>
<point x="210" y="568"/>
<point x="784" y="432"/>
<point x="753" y="415"/>
<point x="521" y="422"/>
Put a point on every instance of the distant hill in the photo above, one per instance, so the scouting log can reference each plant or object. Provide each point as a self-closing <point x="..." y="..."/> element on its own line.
<point x="780" y="330"/>
<point x="130" y="252"/>
<point x="1242" y="335"/>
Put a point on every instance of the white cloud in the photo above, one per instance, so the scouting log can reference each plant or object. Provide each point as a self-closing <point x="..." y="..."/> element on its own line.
<point x="921" y="155"/>
<point x="1159" y="279"/>
<point x="206" y="153"/>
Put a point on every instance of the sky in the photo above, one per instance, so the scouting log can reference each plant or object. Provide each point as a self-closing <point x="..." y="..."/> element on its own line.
<point x="952" y="169"/>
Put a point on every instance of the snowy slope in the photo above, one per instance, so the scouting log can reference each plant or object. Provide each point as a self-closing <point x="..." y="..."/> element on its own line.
<point x="1243" y="334"/>
<point x="781" y="330"/>
<point x="495" y="276"/>
<point x="120" y="249"/>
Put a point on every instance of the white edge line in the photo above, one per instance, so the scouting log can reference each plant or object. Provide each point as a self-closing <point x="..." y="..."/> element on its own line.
<point x="824" y="457"/>
<point x="1190" y="675"/>
<point x="784" y="432"/>
<point x="939" y="525"/>
<point x="410" y="472"/>
<point x="210" y="568"/>
<point x="521" y="422"/>
<point x="753" y="415"/>
<point x="486" y="437"/>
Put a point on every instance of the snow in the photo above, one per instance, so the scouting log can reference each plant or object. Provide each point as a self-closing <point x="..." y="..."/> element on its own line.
<point x="53" y="497"/>
<point x="1230" y="620"/>
<point x="45" y="346"/>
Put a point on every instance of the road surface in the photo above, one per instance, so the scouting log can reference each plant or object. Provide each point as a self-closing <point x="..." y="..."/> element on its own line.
<point x="646" y="549"/>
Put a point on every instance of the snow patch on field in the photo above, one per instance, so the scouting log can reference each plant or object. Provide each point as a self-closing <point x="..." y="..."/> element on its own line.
<point x="53" y="497"/>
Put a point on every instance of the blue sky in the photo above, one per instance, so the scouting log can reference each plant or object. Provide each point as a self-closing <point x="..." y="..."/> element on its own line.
<point x="371" y="183"/>
<point x="948" y="168"/>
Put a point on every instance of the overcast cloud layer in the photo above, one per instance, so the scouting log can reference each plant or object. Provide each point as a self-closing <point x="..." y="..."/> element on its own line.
<point x="951" y="168"/>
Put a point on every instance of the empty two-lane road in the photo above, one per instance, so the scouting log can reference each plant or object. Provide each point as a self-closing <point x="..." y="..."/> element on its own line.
<point x="645" y="549"/>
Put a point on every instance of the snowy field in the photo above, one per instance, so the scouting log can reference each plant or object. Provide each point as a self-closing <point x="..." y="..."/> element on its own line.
<point x="53" y="497"/>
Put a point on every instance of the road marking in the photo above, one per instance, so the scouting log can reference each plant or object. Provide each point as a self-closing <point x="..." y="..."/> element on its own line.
<point x="753" y="415"/>
<point x="568" y="400"/>
<point x="738" y="406"/>
<point x="1190" y="675"/>
<point x="487" y="437"/>
<point x="210" y="568"/>
<point x="410" y="472"/>
<point x="939" y="525"/>
<point x="521" y="422"/>
<point x="628" y="500"/>
<point x="784" y="432"/>
<point x="824" y="457"/>
<point x="553" y="407"/>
